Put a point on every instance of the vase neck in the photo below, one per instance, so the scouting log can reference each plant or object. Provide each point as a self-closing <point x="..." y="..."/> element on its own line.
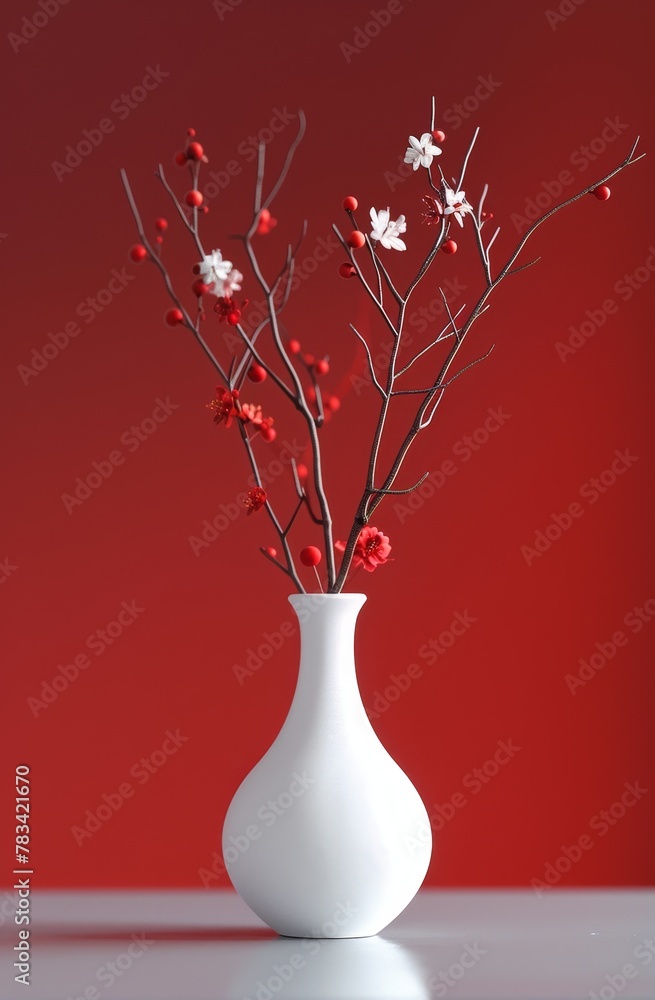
<point x="327" y="679"/>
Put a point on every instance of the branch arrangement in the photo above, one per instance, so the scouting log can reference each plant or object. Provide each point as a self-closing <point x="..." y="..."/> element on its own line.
<point x="298" y="376"/>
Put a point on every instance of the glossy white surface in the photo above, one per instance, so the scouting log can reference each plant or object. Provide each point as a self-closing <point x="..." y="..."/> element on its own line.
<point x="327" y="837"/>
<point x="207" y="944"/>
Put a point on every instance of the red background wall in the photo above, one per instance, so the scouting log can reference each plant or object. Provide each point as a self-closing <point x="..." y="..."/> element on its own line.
<point x="66" y="575"/>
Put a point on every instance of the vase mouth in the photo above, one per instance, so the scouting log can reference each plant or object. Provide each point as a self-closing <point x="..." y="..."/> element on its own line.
<point x="314" y="599"/>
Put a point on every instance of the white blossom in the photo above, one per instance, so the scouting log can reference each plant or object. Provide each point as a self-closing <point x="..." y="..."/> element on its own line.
<point x="220" y="275"/>
<point x="421" y="152"/>
<point x="232" y="283"/>
<point x="387" y="232"/>
<point x="213" y="270"/>
<point x="457" y="205"/>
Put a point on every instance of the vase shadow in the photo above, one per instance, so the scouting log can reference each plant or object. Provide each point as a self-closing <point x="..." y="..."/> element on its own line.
<point x="181" y="934"/>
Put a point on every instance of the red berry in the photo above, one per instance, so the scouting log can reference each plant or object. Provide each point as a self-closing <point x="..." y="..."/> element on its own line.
<point x="234" y="317"/>
<point x="449" y="247"/>
<point x="347" y="270"/>
<point x="332" y="403"/>
<point x="356" y="239"/>
<point x="308" y="359"/>
<point x="191" y="132"/>
<point x="268" y="433"/>
<point x="350" y="204"/>
<point x="173" y="317"/>
<point x="181" y="158"/>
<point x="138" y="253"/>
<point x="199" y="288"/>
<point x="322" y="367"/>
<point x="193" y="198"/>
<point x="311" y="555"/>
<point x="195" y="151"/>
<point x="438" y="135"/>
<point x="310" y="394"/>
<point x="302" y="470"/>
<point x="293" y="347"/>
<point x="161" y="225"/>
<point x="602" y="192"/>
<point x="256" y="373"/>
<point x="271" y="552"/>
<point x="159" y="239"/>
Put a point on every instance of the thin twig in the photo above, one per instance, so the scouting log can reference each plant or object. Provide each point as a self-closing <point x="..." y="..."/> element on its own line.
<point x="371" y="368"/>
<point x="410" y="489"/>
<point x="433" y="343"/>
<point x="183" y="215"/>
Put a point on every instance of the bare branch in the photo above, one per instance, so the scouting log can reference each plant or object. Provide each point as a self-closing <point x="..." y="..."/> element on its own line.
<point x="193" y="229"/>
<point x="432" y="344"/>
<point x="491" y="241"/>
<point x="450" y="315"/>
<point x="259" y="205"/>
<point x="247" y="354"/>
<point x="290" y="569"/>
<point x="515" y="270"/>
<point x="260" y="361"/>
<point x="371" y="368"/>
<point x="410" y="489"/>
<point x="441" y="385"/>
<point x="471" y="364"/>
<point x="188" y="322"/>
<point x="466" y="158"/>
<point x="380" y="306"/>
<point x="276" y="562"/>
<point x="293" y="517"/>
<point x="302" y="493"/>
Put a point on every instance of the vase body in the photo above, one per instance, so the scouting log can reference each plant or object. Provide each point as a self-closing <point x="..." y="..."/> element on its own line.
<point x="327" y="836"/>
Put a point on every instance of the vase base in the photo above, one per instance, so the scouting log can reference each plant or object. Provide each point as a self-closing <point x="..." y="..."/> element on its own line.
<point x="328" y="937"/>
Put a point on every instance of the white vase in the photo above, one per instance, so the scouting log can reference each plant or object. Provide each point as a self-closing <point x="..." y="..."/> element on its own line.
<point x="327" y="836"/>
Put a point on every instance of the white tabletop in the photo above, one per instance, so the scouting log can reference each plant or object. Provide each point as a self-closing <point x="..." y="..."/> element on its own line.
<point x="187" y="945"/>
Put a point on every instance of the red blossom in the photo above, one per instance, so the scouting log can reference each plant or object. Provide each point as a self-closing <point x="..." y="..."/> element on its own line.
<point x="223" y="406"/>
<point x="265" y="223"/>
<point x="252" y="414"/>
<point x="229" y="309"/>
<point x="372" y="549"/>
<point x="255" y="499"/>
<point x="433" y="212"/>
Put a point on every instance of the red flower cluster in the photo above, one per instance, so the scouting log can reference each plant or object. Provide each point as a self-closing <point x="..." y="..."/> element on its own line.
<point x="251" y="414"/>
<point x="229" y="309"/>
<point x="255" y="499"/>
<point x="433" y="210"/>
<point x="223" y="406"/>
<point x="372" y="549"/>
